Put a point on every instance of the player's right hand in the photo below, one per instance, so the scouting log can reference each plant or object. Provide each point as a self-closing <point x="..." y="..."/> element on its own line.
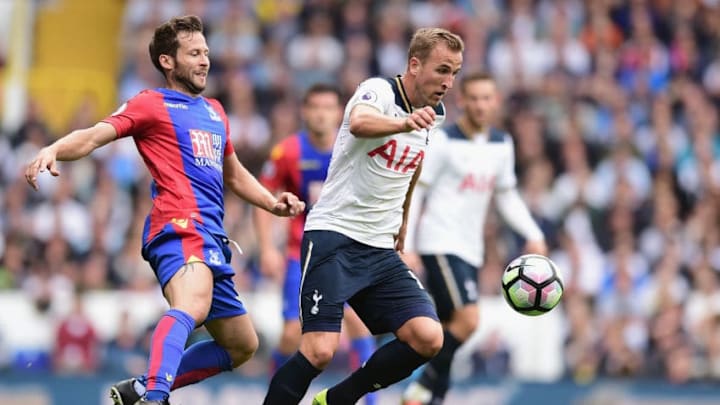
<point x="45" y="159"/>
<point x="421" y="118"/>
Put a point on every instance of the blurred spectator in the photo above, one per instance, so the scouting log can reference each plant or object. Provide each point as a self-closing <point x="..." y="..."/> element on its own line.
<point x="315" y="55"/>
<point x="76" y="343"/>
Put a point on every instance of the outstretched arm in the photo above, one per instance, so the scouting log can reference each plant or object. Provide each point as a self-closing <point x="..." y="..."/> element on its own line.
<point x="516" y="214"/>
<point x="73" y="146"/>
<point x="247" y="187"/>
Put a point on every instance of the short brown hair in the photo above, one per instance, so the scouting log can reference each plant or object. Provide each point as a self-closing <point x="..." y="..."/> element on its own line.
<point x="165" y="39"/>
<point x="321" y="88"/>
<point x="426" y="39"/>
<point x="474" y="77"/>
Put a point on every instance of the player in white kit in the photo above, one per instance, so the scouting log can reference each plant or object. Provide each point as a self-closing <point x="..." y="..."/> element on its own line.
<point x="360" y="219"/>
<point x="467" y="164"/>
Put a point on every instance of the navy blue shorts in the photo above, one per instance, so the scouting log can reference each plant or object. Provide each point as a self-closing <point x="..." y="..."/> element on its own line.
<point x="176" y="245"/>
<point x="452" y="282"/>
<point x="376" y="283"/>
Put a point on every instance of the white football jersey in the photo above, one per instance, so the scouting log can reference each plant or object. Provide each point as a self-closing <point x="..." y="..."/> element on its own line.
<point x="459" y="176"/>
<point x="368" y="178"/>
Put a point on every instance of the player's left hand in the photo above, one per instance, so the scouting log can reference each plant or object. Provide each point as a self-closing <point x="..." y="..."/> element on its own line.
<point x="288" y="205"/>
<point x="537" y="247"/>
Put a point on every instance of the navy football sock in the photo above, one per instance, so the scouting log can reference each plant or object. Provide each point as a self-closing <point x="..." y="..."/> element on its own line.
<point x="389" y="364"/>
<point x="362" y="350"/>
<point x="436" y="375"/>
<point x="291" y="381"/>
<point x="166" y="350"/>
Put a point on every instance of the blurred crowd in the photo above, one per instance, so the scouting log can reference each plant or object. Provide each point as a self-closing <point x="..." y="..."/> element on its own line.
<point x="613" y="106"/>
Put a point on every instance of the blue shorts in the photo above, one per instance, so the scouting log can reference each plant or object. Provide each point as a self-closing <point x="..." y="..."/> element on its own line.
<point x="376" y="283"/>
<point x="291" y="291"/>
<point x="175" y="246"/>
<point x="452" y="282"/>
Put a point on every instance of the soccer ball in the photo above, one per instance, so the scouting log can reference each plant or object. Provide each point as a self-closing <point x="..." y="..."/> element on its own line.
<point x="531" y="285"/>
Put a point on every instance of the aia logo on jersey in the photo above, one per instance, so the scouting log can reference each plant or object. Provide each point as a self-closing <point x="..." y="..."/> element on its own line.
<point x="401" y="163"/>
<point x="207" y="148"/>
<point x="480" y="184"/>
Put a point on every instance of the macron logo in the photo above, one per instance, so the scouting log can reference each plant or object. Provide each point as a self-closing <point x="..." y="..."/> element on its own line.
<point x="179" y="106"/>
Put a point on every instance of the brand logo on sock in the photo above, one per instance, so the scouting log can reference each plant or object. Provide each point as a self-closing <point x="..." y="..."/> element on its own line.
<point x="316" y="297"/>
<point x="168" y="377"/>
<point x="377" y="386"/>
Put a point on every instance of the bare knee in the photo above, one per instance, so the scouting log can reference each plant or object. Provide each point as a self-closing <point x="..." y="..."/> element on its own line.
<point x="423" y="334"/>
<point x="319" y="347"/>
<point x="241" y="352"/>
<point x="236" y="335"/>
<point x="464" y="323"/>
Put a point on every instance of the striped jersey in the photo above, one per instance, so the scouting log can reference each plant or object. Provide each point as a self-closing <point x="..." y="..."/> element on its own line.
<point x="368" y="178"/>
<point x="297" y="166"/>
<point x="183" y="141"/>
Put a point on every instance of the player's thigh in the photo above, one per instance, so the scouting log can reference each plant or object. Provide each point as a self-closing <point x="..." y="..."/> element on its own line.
<point x="326" y="282"/>
<point x="190" y="290"/>
<point x="353" y="324"/>
<point x="291" y="291"/>
<point x="395" y="297"/>
<point x="228" y="321"/>
<point x="452" y="282"/>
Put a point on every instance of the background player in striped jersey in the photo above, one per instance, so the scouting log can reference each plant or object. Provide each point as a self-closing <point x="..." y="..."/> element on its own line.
<point x="348" y="252"/>
<point x="183" y="139"/>
<point x="467" y="164"/>
<point x="299" y="164"/>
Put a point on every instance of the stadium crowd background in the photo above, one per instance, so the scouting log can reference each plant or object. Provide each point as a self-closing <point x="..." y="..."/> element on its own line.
<point x="613" y="107"/>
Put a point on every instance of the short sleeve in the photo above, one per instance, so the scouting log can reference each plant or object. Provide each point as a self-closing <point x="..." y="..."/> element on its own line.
<point x="435" y="156"/>
<point x="134" y="116"/>
<point x="375" y="92"/>
<point x="506" y="178"/>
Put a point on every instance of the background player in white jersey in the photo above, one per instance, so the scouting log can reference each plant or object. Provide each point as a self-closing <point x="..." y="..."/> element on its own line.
<point x="348" y="249"/>
<point x="467" y="164"/>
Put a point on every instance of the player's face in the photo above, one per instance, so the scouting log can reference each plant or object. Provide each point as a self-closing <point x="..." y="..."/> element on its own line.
<point x="479" y="100"/>
<point x="191" y="63"/>
<point x="436" y="75"/>
<point x="322" y="113"/>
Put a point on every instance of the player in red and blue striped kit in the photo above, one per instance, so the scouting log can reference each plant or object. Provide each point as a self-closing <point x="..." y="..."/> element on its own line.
<point x="299" y="164"/>
<point x="183" y="139"/>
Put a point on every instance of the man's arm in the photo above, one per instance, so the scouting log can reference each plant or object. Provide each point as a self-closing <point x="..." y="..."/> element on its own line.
<point x="247" y="187"/>
<point x="369" y="122"/>
<point x="73" y="146"/>
<point x="517" y="215"/>
<point x="400" y="238"/>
